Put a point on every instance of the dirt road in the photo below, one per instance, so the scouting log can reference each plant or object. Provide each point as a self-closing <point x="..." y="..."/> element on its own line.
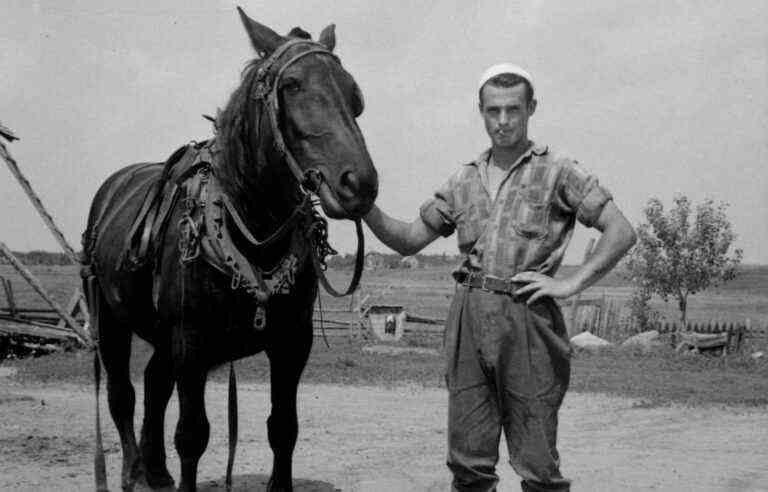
<point x="374" y="439"/>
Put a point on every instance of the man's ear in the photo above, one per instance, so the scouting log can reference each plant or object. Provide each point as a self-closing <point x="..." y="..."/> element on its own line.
<point x="532" y="107"/>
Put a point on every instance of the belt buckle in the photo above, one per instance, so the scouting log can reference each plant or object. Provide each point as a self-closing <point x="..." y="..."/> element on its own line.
<point x="511" y="289"/>
<point x="508" y="287"/>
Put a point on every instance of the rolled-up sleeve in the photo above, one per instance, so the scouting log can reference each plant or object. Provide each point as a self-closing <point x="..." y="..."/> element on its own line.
<point x="438" y="212"/>
<point x="580" y="192"/>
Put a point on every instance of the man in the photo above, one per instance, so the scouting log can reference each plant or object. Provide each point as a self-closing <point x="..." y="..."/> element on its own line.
<point x="508" y="356"/>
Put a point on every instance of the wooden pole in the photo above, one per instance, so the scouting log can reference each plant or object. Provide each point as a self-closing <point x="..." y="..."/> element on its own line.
<point x="9" y="295"/>
<point x="24" y="272"/>
<point x="57" y="234"/>
<point x="13" y="166"/>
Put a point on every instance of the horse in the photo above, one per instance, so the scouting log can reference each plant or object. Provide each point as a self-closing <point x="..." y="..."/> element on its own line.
<point x="215" y="254"/>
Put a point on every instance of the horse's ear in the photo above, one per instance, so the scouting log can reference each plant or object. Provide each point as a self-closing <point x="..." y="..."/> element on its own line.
<point x="263" y="39"/>
<point x="328" y="37"/>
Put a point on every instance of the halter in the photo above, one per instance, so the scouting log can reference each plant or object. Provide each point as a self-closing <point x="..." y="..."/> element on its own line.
<point x="267" y="92"/>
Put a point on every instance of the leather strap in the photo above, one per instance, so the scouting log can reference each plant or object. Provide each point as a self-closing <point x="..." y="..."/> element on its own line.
<point x="359" y="260"/>
<point x="99" y="462"/>
<point x="489" y="283"/>
<point x="278" y="234"/>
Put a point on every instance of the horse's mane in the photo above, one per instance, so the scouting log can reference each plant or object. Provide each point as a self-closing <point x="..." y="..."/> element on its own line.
<point x="236" y="126"/>
<point x="242" y="121"/>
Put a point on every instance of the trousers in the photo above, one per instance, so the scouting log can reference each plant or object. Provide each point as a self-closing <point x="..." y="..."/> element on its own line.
<point x="508" y="368"/>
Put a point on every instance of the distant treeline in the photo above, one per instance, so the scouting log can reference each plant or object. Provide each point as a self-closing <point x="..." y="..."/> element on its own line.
<point x="38" y="258"/>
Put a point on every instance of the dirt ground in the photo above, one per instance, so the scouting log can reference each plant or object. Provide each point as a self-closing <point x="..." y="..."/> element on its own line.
<point x="375" y="439"/>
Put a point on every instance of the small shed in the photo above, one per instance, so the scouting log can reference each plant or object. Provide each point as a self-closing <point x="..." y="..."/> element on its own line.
<point x="387" y="321"/>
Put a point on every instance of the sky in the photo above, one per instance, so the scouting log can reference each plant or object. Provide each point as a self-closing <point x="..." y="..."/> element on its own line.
<point x="654" y="97"/>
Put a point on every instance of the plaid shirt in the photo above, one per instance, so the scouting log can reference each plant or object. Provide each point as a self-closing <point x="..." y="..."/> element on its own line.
<point x="529" y="224"/>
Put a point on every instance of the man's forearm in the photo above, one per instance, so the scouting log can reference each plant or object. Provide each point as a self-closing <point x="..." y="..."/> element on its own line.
<point x="614" y="243"/>
<point x="404" y="237"/>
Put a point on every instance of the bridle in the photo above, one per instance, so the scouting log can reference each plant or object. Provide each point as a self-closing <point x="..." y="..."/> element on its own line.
<point x="267" y="84"/>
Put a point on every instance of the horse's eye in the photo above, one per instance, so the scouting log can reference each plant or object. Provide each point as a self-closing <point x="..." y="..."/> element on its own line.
<point x="291" y="86"/>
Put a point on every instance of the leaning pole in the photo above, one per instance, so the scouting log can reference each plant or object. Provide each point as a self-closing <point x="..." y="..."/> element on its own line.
<point x="73" y="325"/>
<point x="14" y="167"/>
<point x="8" y="135"/>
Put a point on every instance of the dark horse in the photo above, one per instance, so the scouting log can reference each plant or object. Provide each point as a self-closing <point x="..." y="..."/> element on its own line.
<point x="209" y="257"/>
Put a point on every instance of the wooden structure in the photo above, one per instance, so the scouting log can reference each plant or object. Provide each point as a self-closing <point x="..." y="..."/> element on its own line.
<point x="57" y="323"/>
<point x="387" y="321"/>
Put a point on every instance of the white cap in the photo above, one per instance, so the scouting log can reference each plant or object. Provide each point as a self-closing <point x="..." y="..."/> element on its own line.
<point x="500" y="69"/>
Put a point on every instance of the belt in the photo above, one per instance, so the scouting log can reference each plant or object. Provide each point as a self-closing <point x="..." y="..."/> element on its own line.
<point x="489" y="283"/>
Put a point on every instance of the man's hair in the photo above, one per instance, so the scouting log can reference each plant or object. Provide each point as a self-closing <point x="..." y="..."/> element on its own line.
<point x="508" y="80"/>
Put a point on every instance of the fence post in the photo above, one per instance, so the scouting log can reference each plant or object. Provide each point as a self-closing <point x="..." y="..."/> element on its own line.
<point x="9" y="295"/>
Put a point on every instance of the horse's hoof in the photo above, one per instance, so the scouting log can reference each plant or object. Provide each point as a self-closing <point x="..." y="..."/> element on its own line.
<point x="272" y="487"/>
<point x="159" y="480"/>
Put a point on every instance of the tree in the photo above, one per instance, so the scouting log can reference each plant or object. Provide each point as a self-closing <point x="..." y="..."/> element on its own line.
<point x="678" y="254"/>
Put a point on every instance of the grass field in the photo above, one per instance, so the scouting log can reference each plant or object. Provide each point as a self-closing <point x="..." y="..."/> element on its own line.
<point x="428" y="291"/>
<point x="657" y="378"/>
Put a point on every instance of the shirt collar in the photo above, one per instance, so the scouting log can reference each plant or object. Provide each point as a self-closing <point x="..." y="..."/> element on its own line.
<point x="535" y="149"/>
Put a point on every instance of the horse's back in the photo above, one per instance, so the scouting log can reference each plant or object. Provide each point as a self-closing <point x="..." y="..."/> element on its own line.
<point x="120" y="192"/>
<point x="113" y="210"/>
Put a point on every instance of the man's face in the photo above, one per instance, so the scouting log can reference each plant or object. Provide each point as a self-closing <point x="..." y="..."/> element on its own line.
<point x="506" y="111"/>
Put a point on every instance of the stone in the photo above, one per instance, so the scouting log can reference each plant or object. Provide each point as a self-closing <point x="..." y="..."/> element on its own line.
<point x="646" y="339"/>
<point x="588" y="340"/>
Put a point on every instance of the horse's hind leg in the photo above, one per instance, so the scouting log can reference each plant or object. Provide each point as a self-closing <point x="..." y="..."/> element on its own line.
<point x="115" y="350"/>
<point x="158" y="387"/>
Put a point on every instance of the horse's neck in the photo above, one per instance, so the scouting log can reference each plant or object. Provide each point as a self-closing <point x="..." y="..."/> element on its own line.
<point x="264" y="202"/>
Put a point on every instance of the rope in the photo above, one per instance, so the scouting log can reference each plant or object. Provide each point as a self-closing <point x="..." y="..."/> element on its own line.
<point x="322" y="325"/>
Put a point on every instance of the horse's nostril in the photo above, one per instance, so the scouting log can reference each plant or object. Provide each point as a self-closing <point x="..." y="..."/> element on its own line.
<point x="350" y="181"/>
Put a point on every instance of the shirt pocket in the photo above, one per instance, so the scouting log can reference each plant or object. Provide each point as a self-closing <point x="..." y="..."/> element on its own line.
<point x="530" y="212"/>
<point x="469" y="225"/>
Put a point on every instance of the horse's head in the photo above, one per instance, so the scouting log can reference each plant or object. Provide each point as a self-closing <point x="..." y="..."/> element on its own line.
<point x="313" y="103"/>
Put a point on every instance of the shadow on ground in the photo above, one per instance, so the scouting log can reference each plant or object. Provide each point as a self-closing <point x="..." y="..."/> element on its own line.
<point x="258" y="483"/>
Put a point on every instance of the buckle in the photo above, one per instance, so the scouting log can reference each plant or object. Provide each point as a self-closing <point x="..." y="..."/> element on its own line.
<point x="483" y="285"/>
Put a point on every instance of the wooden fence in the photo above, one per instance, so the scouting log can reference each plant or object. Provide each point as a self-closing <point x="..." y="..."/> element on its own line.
<point x="609" y="318"/>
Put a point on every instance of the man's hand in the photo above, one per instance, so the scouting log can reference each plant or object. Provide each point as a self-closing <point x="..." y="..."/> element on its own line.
<point x="541" y="285"/>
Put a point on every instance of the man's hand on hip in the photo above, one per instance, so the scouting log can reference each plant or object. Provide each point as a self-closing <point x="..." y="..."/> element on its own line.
<point x="540" y="285"/>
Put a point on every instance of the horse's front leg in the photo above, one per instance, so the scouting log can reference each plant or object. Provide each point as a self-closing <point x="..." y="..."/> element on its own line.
<point x="287" y="357"/>
<point x="193" y="429"/>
